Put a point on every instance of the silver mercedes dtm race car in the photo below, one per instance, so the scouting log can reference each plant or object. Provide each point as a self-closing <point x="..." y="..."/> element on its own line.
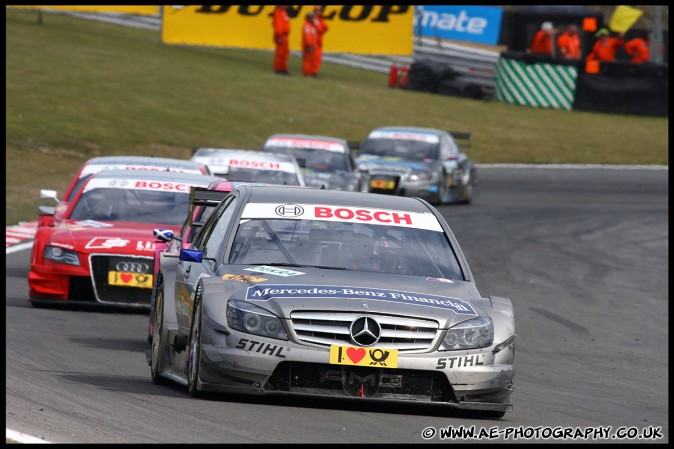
<point x="291" y="290"/>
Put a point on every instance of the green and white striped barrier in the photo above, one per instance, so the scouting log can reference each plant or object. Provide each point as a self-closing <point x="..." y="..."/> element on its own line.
<point x="539" y="85"/>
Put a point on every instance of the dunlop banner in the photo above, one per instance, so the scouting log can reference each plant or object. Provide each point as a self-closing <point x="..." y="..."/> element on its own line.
<point x="147" y="10"/>
<point x="364" y="29"/>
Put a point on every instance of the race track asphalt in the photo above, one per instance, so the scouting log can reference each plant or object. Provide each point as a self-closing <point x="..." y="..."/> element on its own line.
<point x="582" y="253"/>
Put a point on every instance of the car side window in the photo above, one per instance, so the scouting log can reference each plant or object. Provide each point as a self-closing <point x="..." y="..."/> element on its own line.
<point x="444" y="149"/>
<point x="452" y="146"/>
<point x="219" y="227"/>
<point x="350" y="162"/>
<point x="202" y="235"/>
<point x="447" y="149"/>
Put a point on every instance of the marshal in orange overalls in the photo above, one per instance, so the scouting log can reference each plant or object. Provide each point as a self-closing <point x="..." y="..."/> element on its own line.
<point x="309" y="46"/>
<point x="281" y="24"/>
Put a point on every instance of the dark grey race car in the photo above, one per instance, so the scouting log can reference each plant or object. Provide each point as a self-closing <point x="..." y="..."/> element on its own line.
<point x="422" y="162"/>
<point x="290" y="290"/>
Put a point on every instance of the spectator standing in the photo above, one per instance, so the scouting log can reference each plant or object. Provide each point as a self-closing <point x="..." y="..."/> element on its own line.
<point x="281" y="24"/>
<point x="321" y="29"/>
<point x="605" y="47"/>
<point x="568" y="43"/>
<point x="543" y="41"/>
<point x="638" y="50"/>
<point x="309" y="46"/>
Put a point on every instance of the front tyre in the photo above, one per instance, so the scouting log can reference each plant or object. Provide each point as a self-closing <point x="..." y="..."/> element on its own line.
<point x="157" y="347"/>
<point x="443" y="191"/>
<point x="466" y="193"/>
<point x="194" y="361"/>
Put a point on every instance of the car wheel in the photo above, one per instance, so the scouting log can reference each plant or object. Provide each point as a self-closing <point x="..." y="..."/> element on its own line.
<point x="157" y="348"/>
<point x="194" y="360"/>
<point x="443" y="191"/>
<point x="469" y="188"/>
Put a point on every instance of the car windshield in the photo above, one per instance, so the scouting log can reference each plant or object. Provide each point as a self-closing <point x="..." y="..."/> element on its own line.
<point x="262" y="176"/>
<point x="141" y="206"/>
<point x="348" y="246"/>
<point x="408" y="149"/>
<point x="316" y="160"/>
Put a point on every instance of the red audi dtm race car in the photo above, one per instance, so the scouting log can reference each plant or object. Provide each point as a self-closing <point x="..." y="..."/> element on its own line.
<point x="132" y="163"/>
<point x="98" y="164"/>
<point x="98" y="250"/>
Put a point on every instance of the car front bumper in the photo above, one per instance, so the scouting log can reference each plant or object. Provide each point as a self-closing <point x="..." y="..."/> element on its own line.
<point x="395" y="185"/>
<point x="85" y="284"/>
<point x="469" y="380"/>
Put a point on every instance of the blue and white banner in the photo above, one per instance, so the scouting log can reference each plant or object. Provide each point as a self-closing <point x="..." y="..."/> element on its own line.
<point x="479" y="24"/>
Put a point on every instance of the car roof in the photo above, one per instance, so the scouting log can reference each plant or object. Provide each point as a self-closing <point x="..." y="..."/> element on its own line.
<point x="223" y="185"/>
<point x="410" y="129"/>
<point x="151" y="175"/>
<point x="315" y="142"/>
<point x="306" y="136"/>
<point x="143" y="160"/>
<point x="247" y="154"/>
<point x="306" y="195"/>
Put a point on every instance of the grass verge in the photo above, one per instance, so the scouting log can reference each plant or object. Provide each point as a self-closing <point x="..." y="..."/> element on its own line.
<point x="76" y="89"/>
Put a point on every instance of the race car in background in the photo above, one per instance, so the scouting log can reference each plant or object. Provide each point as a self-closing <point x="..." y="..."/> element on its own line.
<point x="418" y="162"/>
<point x="326" y="161"/>
<point x="101" y="163"/>
<point x="251" y="166"/>
<point x="99" y="250"/>
<point x="331" y="294"/>
<point x="132" y="163"/>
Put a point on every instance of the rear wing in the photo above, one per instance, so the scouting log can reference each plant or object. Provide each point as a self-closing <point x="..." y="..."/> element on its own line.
<point x="462" y="136"/>
<point x="201" y="196"/>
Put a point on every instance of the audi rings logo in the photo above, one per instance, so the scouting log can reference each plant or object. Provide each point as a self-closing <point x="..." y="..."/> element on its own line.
<point x="132" y="267"/>
<point x="365" y="331"/>
<point x="118" y="183"/>
<point x="289" y="210"/>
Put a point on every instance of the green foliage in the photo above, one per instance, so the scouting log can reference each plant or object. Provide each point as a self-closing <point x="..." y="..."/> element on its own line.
<point x="76" y="89"/>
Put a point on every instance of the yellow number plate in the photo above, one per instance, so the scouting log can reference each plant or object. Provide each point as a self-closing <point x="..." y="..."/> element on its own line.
<point x="374" y="357"/>
<point x="382" y="184"/>
<point x="121" y="279"/>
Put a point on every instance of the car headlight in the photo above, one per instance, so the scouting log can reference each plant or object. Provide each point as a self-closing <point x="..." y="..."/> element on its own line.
<point x="61" y="255"/>
<point x="423" y="176"/>
<point x="249" y="318"/>
<point x="419" y="176"/>
<point x="472" y="334"/>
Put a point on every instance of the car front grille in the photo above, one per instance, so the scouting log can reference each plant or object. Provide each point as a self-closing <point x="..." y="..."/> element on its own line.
<point x="376" y="383"/>
<point x="105" y="293"/>
<point x="333" y="328"/>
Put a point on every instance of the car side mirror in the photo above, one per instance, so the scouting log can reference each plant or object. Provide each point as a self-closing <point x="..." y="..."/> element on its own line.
<point x="191" y="255"/>
<point x="49" y="194"/>
<point x="164" y="235"/>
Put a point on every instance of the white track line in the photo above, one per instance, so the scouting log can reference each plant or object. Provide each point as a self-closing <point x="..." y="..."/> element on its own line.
<point x="19" y="247"/>
<point x="23" y="438"/>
